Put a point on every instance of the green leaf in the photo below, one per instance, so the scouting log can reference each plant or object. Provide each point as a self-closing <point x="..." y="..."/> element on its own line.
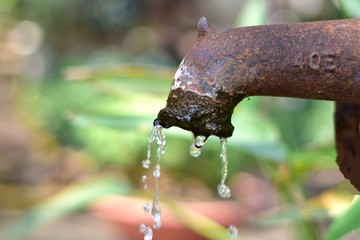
<point x="199" y="223"/>
<point x="346" y="222"/>
<point x="350" y="8"/>
<point x="294" y="213"/>
<point x="72" y="199"/>
<point x="257" y="134"/>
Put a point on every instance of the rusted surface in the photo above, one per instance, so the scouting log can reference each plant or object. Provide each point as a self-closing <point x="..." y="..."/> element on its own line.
<point x="347" y="138"/>
<point x="314" y="60"/>
<point x="197" y="113"/>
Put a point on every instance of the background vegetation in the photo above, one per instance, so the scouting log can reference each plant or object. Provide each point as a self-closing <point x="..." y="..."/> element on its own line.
<point x="81" y="82"/>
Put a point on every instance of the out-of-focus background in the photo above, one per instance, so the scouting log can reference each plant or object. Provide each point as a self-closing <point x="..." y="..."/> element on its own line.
<point x="81" y="82"/>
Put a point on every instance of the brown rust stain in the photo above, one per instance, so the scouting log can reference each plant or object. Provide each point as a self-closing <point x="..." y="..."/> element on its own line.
<point x="198" y="114"/>
<point x="314" y="60"/>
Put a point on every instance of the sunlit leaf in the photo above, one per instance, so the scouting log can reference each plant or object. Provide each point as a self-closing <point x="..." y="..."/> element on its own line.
<point x="346" y="222"/>
<point x="199" y="223"/>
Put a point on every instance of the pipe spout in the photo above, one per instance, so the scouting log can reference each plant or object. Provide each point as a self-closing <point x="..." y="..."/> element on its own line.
<point x="315" y="60"/>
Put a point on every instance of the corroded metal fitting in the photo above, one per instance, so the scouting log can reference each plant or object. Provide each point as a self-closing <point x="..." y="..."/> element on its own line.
<point x="314" y="60"/>
<point x="347" y="140"/>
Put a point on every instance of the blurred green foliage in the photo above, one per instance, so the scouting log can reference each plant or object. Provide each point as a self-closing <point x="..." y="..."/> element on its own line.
<point x="73" y="199"/>
<point x="103" y="104"/>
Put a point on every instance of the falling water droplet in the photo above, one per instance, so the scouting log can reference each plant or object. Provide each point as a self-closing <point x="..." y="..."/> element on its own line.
<point x="157" y="222"/>
<point x="157" y="171"/>
<point x="146" y="163"/>
<point x="194" y="151"/>
<point x="144" y="181"/>
<point x="156" y="214"/>
<point x="200" y="141"/>
<point x="148" y="233"/>
<point x="195" y="147"/>
<point x="233" y="232"/>
<point x="142" y="228"/>
<point x="147" y="207"/>
<point x="223" y="189"/>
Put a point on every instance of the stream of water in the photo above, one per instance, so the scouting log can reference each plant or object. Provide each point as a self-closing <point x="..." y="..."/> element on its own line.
<point x="195" y="150"/>
<point x="153" y="209"/>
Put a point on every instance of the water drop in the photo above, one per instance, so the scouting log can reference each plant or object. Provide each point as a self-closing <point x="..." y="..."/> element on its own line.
<point x="156" y="122"/>
<point x="157" y="222"/>
<point x="233" y="232"/>
<point x="195" y="147"/>
<point x="157" y="171"/>
<point x="194" y="151"/>
<point x="148" y="233"/>
<point x="147" y="207"/>
<point x="223" y="189"/>
<point x="146" y="163"/>
<point x="142" y="228"/>
<point x="156" y="214"/>
<point x="144" y="181"/>
<point x="200" y="141"/>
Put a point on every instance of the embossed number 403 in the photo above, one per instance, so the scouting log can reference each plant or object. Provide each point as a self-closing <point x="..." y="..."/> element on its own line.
<point x="316" y="61"/>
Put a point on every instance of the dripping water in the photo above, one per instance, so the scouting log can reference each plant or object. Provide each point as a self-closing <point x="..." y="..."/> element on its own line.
<point x="147" y="231"/>
<point x="195" y="147"/>
<point x="144" y="181"/>
<point x="154" y="208"/>
<point x="223" y="189"/>
<point x="233" y="232"/>
<point x="195" y="151"/>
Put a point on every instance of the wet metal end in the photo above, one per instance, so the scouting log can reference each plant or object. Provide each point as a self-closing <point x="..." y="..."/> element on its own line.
<point x="202" y="96"/>
<point x="199" y="114"/>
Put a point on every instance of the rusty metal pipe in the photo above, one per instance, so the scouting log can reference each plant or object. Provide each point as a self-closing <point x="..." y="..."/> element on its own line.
<point x="314" y="60"/>
<point x="347" y="141"/>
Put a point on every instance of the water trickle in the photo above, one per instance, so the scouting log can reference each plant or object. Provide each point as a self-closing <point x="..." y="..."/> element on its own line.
<point x="154" y="209"/>
<point x="147" y="207"/>
<point x="144" y="181"/>
<point x="200" y="141"/>
<point x="156" y="214"/>
<point x="233" y="232"/>
<point x="194" y="151"/>
<point x="223" y="189"/>
<point x="195" y="147"/>
<point x="146" y="163"/>
<point x="157" y="172"/>
<point x="147" y="231"/>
